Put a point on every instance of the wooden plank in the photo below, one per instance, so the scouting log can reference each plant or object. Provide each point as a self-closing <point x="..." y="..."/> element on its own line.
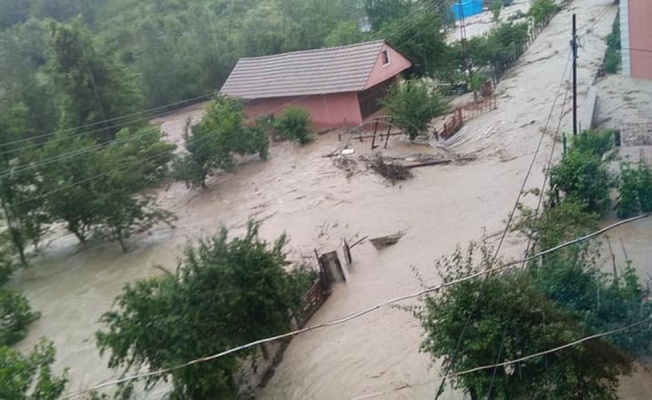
<point x="588" y="110"/>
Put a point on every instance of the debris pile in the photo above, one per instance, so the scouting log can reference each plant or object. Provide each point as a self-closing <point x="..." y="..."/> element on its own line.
<point x="346" y="164"/>
<point x="389" y="169"/>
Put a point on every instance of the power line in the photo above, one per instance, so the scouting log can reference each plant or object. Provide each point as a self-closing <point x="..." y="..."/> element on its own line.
<point x="82" y="151"/>
<point x="400" y="29"/>
<point x="504" y="235"/>
<point x="359" y="314"/>
<point x="518" y="360"/>
<point x="166" y="106"/>
<point x="125" y="166"/>
<point x="536" y="217"/>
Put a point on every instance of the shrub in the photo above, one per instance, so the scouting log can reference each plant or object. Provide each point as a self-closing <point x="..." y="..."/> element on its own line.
<point x="496" y="6"/>
<point x="294" y="125"/>
<point x="634" y="189"/>
<point x="542" y="10"/>
<point x="612" y="58"/>
<point x="583" y="176"/>
<point x="598" y="142"/>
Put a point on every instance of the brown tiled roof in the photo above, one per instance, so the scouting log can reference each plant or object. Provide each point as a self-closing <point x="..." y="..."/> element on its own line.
<point x="300" y="73"/>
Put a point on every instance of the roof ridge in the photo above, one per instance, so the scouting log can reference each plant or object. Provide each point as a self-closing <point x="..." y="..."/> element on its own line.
<point x="320" y="50"/>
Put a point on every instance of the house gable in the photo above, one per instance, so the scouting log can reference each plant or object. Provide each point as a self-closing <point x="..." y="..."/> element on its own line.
<point x="389" y="63"/>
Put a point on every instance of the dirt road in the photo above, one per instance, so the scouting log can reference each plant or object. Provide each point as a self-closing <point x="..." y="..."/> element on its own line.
<point x="299" y="191"/>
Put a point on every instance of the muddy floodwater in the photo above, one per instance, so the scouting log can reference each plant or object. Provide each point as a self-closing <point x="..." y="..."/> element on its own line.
<point x="300" y="192"/>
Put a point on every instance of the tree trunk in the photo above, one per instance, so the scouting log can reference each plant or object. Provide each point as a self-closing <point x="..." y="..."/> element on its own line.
<point x="17" y="240"/>
<point x="80" y="236"/>
<point x="263" y="348"/>
<point x="121" y="240"/>
<point x="15" y="235"/>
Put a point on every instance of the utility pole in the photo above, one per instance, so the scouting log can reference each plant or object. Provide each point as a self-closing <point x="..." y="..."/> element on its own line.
<point x="465" y="53"/>
<point x="574" y="48"/>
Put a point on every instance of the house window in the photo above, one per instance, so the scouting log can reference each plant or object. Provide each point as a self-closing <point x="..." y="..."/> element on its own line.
<point x="385" y="56"/>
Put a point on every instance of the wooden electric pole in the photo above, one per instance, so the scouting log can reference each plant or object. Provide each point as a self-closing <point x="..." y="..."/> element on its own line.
<point x="574" y="48"/>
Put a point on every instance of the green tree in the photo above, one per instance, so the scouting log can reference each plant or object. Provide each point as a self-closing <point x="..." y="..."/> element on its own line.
<point x="413" y="104"/>
<point x="513" y="318"/>
<point x="294" y="125"/>
<point x="213" y="142"/>
<point x="22" y="208"/>
<point x="94" y="187"/>
<point x="556" y="225"/>
<point x="30" y="377"/>
<point x="15" y="313"/>
<point x="224" y="293"/>
<point x="381" y="12"/>
<point x="420" y="38"/>
<point x="69" y="177"/>
<point x="346" y="32"/>
<point x="93" y="88"/>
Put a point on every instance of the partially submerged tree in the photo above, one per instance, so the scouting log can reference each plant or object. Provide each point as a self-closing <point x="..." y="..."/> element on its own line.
<point x="413" y="104"/>
<point x="19" y="201"/>
<point x="224" y="293"/>
<point x="215" y="140"/>
<point x="30" y="377"/>
<point x="15" y="312"/>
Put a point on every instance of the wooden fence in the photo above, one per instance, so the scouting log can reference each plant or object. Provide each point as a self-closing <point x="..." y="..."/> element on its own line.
<point x="466" y="113"/>
<point x="313" y="300"/>
<point x="259" y="367"/>
<point x="635" y="133"/>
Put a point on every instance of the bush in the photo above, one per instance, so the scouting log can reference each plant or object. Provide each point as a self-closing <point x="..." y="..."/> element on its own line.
<point x="634" y="189"/>
<point x="598" y="142"/>
<point x="496" y="6"/>
<point x="583" y="176"/>
<point x="294" y="125"/>
<point x="15" y="317"/>
<point x="612" y="58"/>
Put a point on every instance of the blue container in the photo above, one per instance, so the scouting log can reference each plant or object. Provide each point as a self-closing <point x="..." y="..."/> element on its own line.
<point x="467" y="8"/>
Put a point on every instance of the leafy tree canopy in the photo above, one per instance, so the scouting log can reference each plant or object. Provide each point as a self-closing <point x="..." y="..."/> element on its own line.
<point x="225" y="292"/>
<point x="413" y="104"/>
<point x="30" y="377"/>
<point x="215" y="140"/>
<point x="512" y="318"/>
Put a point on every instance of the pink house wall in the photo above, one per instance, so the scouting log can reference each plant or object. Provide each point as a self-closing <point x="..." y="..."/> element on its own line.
<point x="640" y="38"/>
<point x="380" y="73"/>
<point x="327" y="111"/>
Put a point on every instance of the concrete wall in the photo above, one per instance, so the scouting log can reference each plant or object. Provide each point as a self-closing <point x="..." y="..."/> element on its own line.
<point x="640" y="38"/>
<point x="327" y="111"/>
<point x="382" y="72"/>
